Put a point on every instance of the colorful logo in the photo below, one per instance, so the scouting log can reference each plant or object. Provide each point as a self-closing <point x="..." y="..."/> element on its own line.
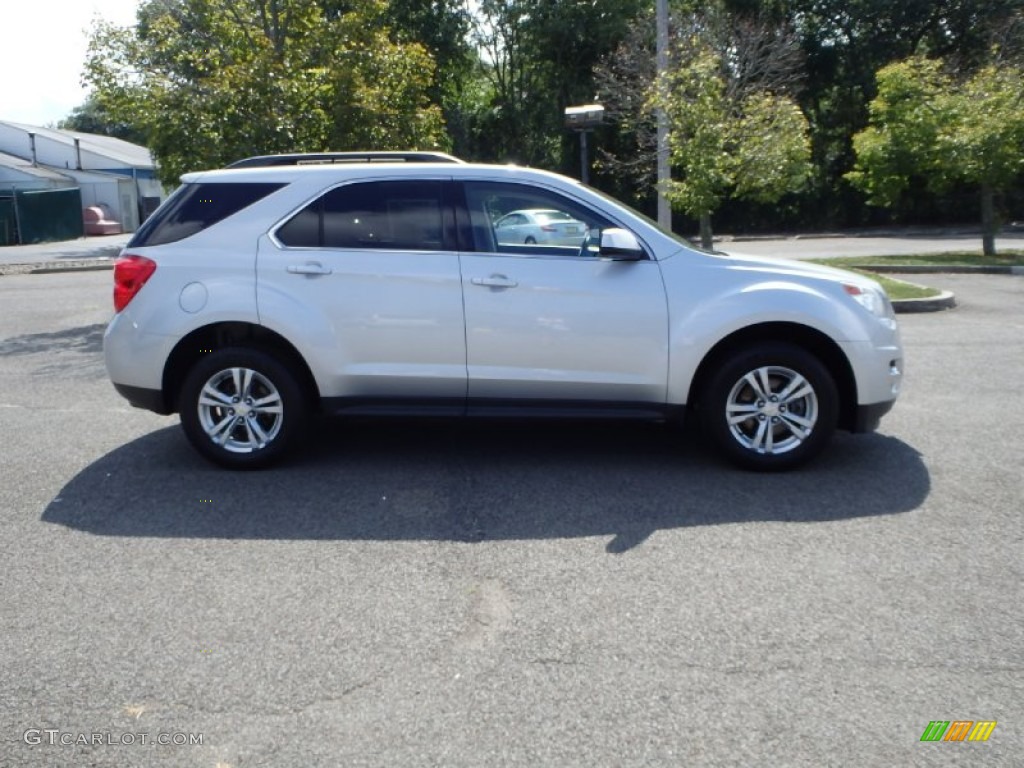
<point x="958" y="730"/>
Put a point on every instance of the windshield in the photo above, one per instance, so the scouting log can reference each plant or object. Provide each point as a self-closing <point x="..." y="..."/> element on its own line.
<point x="678" y="238"/>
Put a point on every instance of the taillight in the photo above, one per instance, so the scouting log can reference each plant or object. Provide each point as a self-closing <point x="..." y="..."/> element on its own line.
<point x="548" y="228"/>
<point x="130" y="274"/>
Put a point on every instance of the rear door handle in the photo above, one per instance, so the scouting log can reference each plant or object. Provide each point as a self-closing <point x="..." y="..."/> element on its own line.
<point x="495" y="281"/>
<point x="309" y="268"/>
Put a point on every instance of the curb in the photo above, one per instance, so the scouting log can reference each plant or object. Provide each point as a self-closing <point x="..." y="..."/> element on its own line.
<point x="45" y="270"/>
<point x="52" y="267"/>
<point x="945" y="300"/>
<point x="952" y="269"/>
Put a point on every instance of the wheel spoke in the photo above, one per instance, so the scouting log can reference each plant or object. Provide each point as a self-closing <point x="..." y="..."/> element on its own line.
<point x="252" y="440"/>
<point x="246" y="383"/>
<point x="800" y="428"/>
<point x="800" y="394"/>
<point x="269" y="404"/>
<point x="221" y="431"/>
<point x="740" y="412"/>
<point x="255" y="429"/>
<point x="756" y="385"/>
<point x="236" y="380"/>
<point x="796" y="389"/>
<point x="213" y="397"/>
<point x="801" y="420"/>
<point x="758" y="439"/>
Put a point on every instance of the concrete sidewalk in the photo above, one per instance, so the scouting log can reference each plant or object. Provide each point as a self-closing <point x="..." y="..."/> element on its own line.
<point x="105" y="247"/>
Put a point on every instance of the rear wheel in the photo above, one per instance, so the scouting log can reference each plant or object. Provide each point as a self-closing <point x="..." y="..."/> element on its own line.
<point x="770" y="407"/>
<point x="241" y="408"/>
<point x="530" y="240"/>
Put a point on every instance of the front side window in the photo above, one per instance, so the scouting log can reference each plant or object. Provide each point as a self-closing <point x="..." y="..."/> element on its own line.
<point x="194" y="207"/>
<point x="396" y="215"/>
<point x="520" y="219"/>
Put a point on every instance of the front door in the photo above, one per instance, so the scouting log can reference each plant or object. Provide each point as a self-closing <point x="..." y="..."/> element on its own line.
<point x="557" y="322"/>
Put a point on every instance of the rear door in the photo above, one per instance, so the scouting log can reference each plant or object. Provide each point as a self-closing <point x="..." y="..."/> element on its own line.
<point x="366" y="280"/>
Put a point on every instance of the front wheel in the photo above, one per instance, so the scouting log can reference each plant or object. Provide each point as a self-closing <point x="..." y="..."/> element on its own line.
<point x="241" y="408"/>
<point x="770" y="407"/>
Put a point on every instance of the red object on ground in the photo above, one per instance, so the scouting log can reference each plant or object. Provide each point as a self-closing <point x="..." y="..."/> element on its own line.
<point x="98" y="221"/>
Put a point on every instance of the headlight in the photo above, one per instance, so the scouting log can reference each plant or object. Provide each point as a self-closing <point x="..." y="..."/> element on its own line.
<point x="874" y="301"/>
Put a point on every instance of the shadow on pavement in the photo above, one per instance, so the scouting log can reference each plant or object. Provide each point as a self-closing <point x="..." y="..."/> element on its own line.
<point x="478" y="481"/>
<point x="86" y="339"/>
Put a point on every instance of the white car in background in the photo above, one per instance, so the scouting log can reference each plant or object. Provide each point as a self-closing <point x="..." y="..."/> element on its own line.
<point x="260" y="295"/>
<point x="539" y="226"/>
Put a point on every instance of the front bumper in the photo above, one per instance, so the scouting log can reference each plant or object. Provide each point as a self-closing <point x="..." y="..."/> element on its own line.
<point x="868" y="417"/>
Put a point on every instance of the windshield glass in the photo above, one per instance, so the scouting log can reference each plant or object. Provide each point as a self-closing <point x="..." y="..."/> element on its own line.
<point x="678" y="238"/>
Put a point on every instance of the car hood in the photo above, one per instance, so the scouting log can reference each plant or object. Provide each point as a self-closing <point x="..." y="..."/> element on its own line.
<point x="793" y="267"/>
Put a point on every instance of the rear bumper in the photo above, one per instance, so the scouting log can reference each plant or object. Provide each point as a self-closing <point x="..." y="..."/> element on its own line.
<point x="148" y="399"/>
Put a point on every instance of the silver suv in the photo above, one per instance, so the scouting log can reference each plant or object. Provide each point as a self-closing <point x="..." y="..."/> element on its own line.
<point x="284" y="286"/>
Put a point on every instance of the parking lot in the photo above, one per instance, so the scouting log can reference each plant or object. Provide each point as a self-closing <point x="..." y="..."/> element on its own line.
<point x="421" y="594"/>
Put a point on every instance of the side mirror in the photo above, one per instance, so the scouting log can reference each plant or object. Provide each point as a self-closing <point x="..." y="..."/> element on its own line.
<point x="621" y="245"/>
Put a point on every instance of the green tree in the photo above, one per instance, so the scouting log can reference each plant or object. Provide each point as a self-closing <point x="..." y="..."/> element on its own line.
<point x="753" y="146"/>
<point x="735" y="131"/>
<point x="845" y="42"/>
<point x="210" y="81"/>
<point x="90" y="117"/>
<point x="926" y="122"/>
<point x="536" y="57"/>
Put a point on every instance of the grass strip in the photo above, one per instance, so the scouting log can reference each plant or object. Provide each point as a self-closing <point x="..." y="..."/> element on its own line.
<point x="900" y="289"/>
<point x="1011" y="258"/>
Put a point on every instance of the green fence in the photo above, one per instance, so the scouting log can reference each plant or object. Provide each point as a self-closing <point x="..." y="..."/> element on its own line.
<point x="46" y="215"/>
<point x="8" y="224"/>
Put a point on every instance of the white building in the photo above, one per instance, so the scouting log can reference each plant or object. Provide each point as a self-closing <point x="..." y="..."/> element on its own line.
<point x="109" y="171"/>
<point x="19" y="173"/>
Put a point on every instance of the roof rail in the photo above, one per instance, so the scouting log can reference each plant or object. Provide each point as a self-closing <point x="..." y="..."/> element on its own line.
<point x="328" y="158"/>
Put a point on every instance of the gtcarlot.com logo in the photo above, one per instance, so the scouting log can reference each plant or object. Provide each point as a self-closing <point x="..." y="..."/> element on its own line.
<point x="958" y="730"/>
<point x="54" y="737"/>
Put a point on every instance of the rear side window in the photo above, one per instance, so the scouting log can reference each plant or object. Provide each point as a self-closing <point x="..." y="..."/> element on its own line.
<point x="396" y="215"/>
<point x="194" y="207"/>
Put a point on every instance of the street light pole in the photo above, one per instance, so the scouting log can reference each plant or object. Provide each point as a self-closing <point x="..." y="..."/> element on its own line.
<point x="584" y="165"/>
<point x="664" y="170"/>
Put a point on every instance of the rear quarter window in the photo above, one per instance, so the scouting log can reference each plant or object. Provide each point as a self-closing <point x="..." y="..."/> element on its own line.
<point x="194" y="207"/>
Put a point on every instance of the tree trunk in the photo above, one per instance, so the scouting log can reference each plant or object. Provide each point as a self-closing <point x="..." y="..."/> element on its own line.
<point x="706" y="239"/>
<point x="988" y="220"/>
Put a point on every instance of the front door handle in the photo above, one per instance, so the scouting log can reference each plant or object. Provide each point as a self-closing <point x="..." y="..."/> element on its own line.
<point x="495" y="281"/>
<point x="309" y="268"/>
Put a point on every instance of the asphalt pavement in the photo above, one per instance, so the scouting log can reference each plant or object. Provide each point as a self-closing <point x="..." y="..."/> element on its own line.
<point x="410" y="594"/>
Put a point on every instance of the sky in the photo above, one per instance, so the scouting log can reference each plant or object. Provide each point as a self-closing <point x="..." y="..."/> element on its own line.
<point x="42" y="53"/>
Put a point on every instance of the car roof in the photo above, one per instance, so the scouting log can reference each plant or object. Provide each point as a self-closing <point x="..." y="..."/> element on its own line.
<point x="329" y="172"/>
<point x="327" y="158"/>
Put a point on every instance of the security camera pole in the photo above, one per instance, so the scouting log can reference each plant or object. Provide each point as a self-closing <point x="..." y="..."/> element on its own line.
<point x="583" y="120"/>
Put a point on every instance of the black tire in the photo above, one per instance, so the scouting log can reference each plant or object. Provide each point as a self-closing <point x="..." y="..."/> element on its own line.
<point x="779" y="434"/>
<point x="531" y="240"/>
<point x="268" y="414"/>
